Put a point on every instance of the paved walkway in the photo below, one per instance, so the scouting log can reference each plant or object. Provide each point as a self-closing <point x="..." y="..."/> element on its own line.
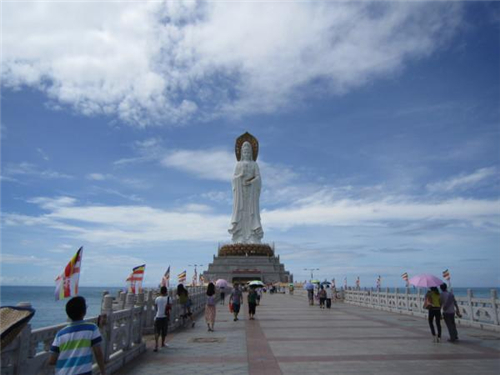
<point x="289" y="337"/>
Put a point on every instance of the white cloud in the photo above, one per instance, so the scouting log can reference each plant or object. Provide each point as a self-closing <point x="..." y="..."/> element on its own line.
<point x="131" y="197"/>
<point x="167" y="62"/>
<point x="194" y="207"/>
<point x="345" y="212"/>
<point x="205" y="164"/>
<point x="29" y="169"/>
<point x="25" y="259"/>
<point x="124" y="225"/>
<point x="132" y="225"/>
<point x="147" y="150"/>
<point x="52" y="203"/>
<point x="463" y="181"/>
<point x="43" y="154"/>
<point x="97" y="176"/>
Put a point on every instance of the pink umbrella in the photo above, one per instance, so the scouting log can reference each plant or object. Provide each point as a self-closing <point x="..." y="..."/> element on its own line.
<point x="221" y="283"/>
<point x="425" y="281"/>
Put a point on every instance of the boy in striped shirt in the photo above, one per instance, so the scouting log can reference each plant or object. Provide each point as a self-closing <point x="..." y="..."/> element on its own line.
<point x="73" y="345"/>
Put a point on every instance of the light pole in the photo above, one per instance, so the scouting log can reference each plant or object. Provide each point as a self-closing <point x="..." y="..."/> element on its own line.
<point x="312" y="270"/>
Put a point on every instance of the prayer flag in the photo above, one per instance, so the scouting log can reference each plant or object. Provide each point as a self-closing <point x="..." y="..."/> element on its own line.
<point x="135" y="279"/>
<point x="181" y="278"/>
<point x="379" y="281"/>
<point x="165" y="280"/>
<point x="357" y="282"/>
<point x="67" y="282"/>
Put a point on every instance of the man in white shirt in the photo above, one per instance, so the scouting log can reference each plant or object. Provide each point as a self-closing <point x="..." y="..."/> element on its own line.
<point x="162" y="306"/>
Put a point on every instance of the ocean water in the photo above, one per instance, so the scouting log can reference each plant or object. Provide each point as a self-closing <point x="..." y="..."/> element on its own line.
<point x="48" y="311"/>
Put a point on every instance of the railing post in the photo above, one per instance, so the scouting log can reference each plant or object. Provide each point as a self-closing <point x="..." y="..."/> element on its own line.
<point x="407" y="300"/>
<point x="494" y="300"/>
<point x="107" y="329"/>
<point x="130" y="302"/>
<point x="470" y="295"/>
<point x="387" y="304"/>
<point x="149" y="316"/>
<point x="121" y="302"/>
<point x="142" y="316"/>
<point x="396" y="297"/>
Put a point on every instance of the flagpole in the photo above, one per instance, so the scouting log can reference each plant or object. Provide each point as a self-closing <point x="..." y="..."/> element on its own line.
<point x="195" y="270"/>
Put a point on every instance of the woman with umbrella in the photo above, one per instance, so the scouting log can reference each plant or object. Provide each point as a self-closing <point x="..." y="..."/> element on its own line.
<point x="431" y="302"/>
<point x="310" y="292"/>
<point x="221" y="284"/>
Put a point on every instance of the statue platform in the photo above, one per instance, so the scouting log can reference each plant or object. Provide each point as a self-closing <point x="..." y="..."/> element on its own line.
<point x="239" y="263"/>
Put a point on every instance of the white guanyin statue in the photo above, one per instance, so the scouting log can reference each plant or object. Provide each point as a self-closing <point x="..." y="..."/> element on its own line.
<point x="246" y="183"/>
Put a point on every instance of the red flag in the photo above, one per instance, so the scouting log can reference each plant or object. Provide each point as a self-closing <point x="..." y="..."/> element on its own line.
<point x="67" y="282"/>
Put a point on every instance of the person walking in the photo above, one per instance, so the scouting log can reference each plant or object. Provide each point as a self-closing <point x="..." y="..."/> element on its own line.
<point x="322" y="297"/>
<point x="210" y="307"/>
<point x="450" y="308"/>
<point x="185" y="303"/>
<point x="252" y="302"/>
<point x="222" y="295"/>
<point x="163" y="307"/>
<point x="310" y="296"/>
<point x="433" y="304"/>
<point x="329" y="296"/>
<point x="236" y="299"/>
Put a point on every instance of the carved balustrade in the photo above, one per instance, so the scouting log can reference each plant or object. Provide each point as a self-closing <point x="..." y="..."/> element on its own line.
<point x="124" y="319"/>
<point x="476" y="312"/>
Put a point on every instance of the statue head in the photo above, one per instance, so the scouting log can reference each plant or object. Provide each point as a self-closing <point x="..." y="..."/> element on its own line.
<point x="246" y="151"/>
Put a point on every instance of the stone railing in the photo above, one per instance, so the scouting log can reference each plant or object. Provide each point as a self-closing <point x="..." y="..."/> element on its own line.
<point x="476" y="312"/>
<point x="124" y="320"/>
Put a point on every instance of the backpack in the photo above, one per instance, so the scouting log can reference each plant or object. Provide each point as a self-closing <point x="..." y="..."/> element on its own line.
<point x="168" y="307"/>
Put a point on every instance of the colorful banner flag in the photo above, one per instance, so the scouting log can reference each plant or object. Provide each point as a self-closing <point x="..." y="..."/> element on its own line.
<point x="67" y="282"/>
<point x="357" y="282"/>
<point x="379" y="282"/>
<point x="165" y="280"/>
<point x="446" y="275"/>
<point x="135" y="279"/>
<point x="181" y="278"/>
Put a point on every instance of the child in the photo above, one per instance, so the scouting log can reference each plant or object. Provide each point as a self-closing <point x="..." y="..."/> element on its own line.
<point x="71" y="350"/>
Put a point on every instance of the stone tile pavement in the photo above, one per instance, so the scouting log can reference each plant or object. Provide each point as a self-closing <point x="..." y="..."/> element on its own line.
<point x="290" y="337"/>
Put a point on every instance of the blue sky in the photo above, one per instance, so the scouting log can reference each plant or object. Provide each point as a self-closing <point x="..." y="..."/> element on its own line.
<point x="378" y="126"/>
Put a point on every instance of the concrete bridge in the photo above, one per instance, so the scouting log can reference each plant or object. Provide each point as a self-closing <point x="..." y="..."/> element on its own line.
<point x="290" y="337"/>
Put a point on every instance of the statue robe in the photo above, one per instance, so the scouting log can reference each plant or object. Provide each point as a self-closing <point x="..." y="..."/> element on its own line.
<point x="245" y="221"/>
